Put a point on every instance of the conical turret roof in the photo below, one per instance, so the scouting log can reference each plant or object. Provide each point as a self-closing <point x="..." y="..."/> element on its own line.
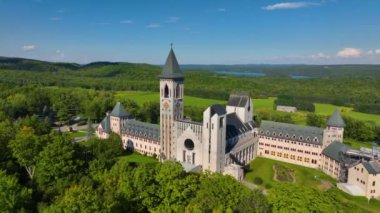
<point x="336" y="120"/>
<point x="171" y="68"/>
<point x="119" y="111"/>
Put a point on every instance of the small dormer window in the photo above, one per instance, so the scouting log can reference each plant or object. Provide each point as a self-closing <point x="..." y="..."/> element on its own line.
<point x="293" y="137"/>
<point x="280" y="134"/>
<point x="301" y="138"/>
<point x="287" y="135"/>
<point x="268" y="133"/>
<point x="274" y="134"/>
<point x="315" y="139"/>
<point x="308" y="139"/>
<point x="261" y="132"/>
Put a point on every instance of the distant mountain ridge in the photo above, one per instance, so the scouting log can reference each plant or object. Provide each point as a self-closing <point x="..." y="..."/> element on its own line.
<point x="110" y="69"/>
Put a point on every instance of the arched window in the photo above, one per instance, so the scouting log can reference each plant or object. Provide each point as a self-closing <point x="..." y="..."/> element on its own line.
<point x="177" y="91"/>
<point x="189" y="144"/>
<point x="166" y="91"/>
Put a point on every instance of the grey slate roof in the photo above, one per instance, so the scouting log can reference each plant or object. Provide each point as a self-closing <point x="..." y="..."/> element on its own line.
<point x="218" y="109"/>
<point x="372" y="167"/>
<point x="305" y="134"/>
<point x="142" y="129"/>
<point x="105" y="124"/>
<point x="171" y="68"/>
<point x="238" y="100"/>
<point x="119" y="111"/>
<point x="336" y="120"/>
<point x="236" y="127"/>
<point x="336" y="150"/>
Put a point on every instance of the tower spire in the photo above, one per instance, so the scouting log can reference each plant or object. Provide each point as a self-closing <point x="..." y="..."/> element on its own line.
<point x="171" y="69"/>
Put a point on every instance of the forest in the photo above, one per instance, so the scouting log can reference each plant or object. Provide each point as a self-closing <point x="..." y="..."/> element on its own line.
<point x="42" y="170"/>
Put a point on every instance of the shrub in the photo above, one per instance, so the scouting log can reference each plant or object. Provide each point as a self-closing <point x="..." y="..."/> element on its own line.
<point x="258" y="181"/>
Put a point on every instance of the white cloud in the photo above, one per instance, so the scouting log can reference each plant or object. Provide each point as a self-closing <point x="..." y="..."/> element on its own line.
<point x="349" y="53"/>
<point x="153" y="26"/>
<point x="55" y="18"/>
<point x="59" y="55"/>
<point x="126" y="21"/>
<point x="320" y="56"/>
<point x="289" y="5"/>
<point x="377" y="51"/>
<point x="222" y="9"/>
<point x="370" y="52"/>
<point x="60" y="11"/>
<point x="173" y="19"/>
<point x="29" y="47"/>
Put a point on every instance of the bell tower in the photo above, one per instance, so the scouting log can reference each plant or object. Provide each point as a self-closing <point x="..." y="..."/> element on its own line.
<point x="171" y="104"/>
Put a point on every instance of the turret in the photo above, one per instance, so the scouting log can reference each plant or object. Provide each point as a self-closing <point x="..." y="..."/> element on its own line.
<point x="334" y="129"/>
<point x="117" y="118"/>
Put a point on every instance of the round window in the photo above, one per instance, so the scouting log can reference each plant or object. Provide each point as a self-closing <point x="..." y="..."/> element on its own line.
<point x="189" y="144"/>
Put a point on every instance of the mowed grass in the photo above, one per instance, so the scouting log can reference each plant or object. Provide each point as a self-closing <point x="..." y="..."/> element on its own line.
<point x="307" y="177"/>
<point x="134" y="157"/>
<point x="263" y="168"/>
<point x="142" y="97"/>
<point x="259" y="104"/>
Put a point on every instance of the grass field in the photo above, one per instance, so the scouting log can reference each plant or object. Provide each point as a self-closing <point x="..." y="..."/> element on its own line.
<point x="259" y="104"/>
<point x="262" y="167"/>
<point x="137" y="158"/>
<point x="78" y="134"/>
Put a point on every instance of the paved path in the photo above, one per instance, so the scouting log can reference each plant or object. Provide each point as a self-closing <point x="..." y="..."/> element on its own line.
<point x="253" y="186"/>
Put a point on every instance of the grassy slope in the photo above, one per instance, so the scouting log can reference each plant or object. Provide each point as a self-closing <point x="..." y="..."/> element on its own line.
<point x="137" y="158"/>
<point x="305" y="177"/>
<point x="259" y="104"/>
<point x="262" y="168"/>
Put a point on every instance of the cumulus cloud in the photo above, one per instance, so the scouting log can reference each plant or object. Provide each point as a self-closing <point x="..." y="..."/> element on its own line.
<point x="59" y="55"/>
<point x="289" y="5"/>
<point x="222" y="9"/>
<point x="377" y="51"/>
<point x="172" y="19"/>
<point x="29" y="47"/>
<point x="153" y="26"/>
<point x="349" y="53"/>
<point x="126" y="21"/>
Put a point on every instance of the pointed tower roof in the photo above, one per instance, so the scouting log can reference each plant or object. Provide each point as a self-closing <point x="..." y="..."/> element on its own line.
<point x="171" y="68"/>
<point x="336" y="120"/>
<point x="119" y="111"/>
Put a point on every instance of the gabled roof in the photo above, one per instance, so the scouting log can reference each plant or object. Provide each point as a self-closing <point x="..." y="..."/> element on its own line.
<point x="171" y="68"/>
<point x="105" y="124"/>
<point x="218" y="109"/>
<point x="236" y="127"/>
<point x="238" y="100"/>
<point x="336" y="120"/>
<point x="119" y="111"/>
<point x="305" y="134"/>
<point x="336" y="150"/>
<point x="373" y="167"/>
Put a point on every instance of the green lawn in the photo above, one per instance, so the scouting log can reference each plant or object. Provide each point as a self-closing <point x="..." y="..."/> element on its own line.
<point x="262" y="167"/>
<point x="263" y="103"/>
<point x="357" y="144"/>
<point x="137" y="158"/>
<point x="78" y="134"/>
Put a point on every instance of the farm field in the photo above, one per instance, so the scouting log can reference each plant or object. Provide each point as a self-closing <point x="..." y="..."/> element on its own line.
<point x="306" y="177"/>
<point x="259" y="104"/>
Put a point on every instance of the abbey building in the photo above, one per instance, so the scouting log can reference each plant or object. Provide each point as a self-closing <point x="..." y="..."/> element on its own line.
<point x="228" y="138"/>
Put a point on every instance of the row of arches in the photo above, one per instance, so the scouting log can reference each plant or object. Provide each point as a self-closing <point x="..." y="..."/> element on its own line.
<point x="167" y="93"/>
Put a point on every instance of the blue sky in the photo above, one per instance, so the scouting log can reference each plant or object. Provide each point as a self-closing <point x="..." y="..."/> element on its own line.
<point x="203" y="32"/>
